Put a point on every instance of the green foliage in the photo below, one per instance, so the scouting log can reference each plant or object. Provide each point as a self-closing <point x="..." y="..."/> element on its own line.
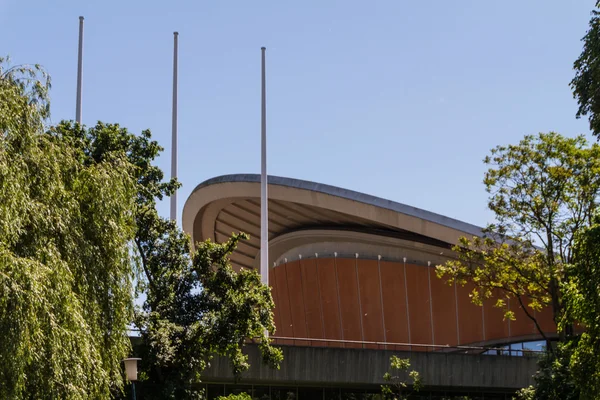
<point x="554" y="379"/>
<point x="586" y="83"/>
<point x="582" y="300"/>
<point x="24" y="92"/>
<point x="399" y="378"/>
<point x="65" y="275"/>
<point x="527" y="393"/>
<point x="542" y="192"/>
<point x="185" y="329"/>
<point x="77" y="212"/>
<point x="241" y="396"/>
<point x="195" y="304"/>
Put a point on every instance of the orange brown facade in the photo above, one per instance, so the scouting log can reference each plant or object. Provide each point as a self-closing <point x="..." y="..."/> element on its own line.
<point x="350" y="268"/>
<point x="393" y="302"/>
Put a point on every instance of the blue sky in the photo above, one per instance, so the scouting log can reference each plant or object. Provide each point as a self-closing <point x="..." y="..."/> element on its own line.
<point x="396" y="99"/>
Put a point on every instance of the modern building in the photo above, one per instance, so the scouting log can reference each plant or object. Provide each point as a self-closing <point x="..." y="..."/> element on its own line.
<point x="356" y="273"/>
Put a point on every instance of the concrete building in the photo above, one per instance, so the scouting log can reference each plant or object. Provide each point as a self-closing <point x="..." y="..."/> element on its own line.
<point x="353" y="278"/>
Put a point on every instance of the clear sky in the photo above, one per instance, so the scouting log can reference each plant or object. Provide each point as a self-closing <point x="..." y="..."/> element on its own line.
<point x="398" y="99"/>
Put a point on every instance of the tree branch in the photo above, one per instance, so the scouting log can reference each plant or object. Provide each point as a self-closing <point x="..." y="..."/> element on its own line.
<point x="537" y="325"/>
<point x="144" y="263"/>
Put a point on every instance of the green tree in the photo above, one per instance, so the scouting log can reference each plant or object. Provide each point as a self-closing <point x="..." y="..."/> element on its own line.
<point x="582" y="301"/>
<point x="554" y="378"/>
<point x="586" y="83"/>
<point x="241" y="396"/>
<point x="542" y="192"/>
<point x="184" y="329"/>
<point x="195" y="305"/>
<point x="397" y="386"/>
<point x="65" y="273"/>
<point x="78" y="222"/>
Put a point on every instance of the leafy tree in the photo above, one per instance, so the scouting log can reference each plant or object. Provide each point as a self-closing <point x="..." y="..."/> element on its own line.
<point x="240" y="396"/>
<point x="65" y="274"/>
<point x="77" y="212"/>
<point x="195" y="305"/>
<point x="184" y="329"/>
<point x="586" y="83"/>
<point x="582" y="301"/>
<point x="554" y="379"/>
<point x="397" y="386"/>
<point x="542" y="192"/>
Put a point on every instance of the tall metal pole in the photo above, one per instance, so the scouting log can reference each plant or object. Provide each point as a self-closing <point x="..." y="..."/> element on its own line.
<point x="264" y="208"/>
<point x="174" y="129"/>
<point x="79" y="72"/>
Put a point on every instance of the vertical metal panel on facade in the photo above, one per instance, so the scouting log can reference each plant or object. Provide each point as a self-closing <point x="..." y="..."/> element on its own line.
<point x="496" y="326"/>
<point x="370" y="297"/>
<point x="523" y="325"/>
<point x="418" y="297"/>
<point x="297" y="305"/>
<point x="329" y="300"/>
<point x="285" y="315"/>
<point x="444" y="310"/>
<point x="312" y="300"/>
<point x="349" y="304"/>
<point x="470" y="321"/>
<point x="277" y="310"/>
<point x="394" y="303"/>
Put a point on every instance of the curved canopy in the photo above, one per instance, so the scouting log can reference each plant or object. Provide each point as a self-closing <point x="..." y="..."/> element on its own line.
<point x="301" y="209"/>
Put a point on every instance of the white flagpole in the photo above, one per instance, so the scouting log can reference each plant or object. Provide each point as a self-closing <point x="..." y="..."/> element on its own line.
<point x="79" y="72"/>
<point x="264" y="208"/>
<point x="174" y="129"/>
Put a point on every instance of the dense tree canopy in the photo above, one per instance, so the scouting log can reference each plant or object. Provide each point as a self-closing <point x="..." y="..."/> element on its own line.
<point x="183" y="329"/>
<point x="78" y="225"/>
<point x="65" y="272"/>
<point x="195" y="305"/>
<point x="582" y="301"/>
<point x="573" y="372"/>
<point x="586" y="83"/>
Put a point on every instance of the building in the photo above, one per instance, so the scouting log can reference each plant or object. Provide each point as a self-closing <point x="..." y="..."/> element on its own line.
<point x="355" y="272"/>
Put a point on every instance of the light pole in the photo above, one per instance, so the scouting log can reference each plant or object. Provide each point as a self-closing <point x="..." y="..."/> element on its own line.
<point x="131" y="372"/>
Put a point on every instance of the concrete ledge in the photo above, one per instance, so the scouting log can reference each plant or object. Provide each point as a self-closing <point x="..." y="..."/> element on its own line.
<point x="357" y="367"/>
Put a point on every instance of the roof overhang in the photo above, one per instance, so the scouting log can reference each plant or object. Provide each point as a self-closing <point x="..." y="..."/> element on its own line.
<point x="223" y="205"/>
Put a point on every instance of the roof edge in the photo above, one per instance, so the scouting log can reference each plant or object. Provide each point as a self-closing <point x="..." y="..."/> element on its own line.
<point x="348" y="195"/>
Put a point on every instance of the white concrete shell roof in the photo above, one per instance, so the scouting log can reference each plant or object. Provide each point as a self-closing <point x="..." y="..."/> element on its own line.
<point x="305" y="215"/>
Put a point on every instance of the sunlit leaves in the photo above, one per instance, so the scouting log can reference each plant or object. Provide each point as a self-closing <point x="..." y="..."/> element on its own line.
<point x="401" y="380"/>
<point x="195" y="305"/>
<point x="586" y="83"/>
<point x="65" y="274"/>
<point x="543" y="190"/>
<point x="554" y="378"/>
<point x="183" y="327"/>
<point x="499" y="271"/>
<point x="29" y="83"/>
<point x="582" y="305"/>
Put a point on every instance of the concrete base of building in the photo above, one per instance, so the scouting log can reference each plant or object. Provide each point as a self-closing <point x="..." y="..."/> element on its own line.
<point x="343" y="367"/>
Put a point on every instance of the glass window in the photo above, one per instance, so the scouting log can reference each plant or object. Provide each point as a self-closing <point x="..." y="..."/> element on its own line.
<point x="373" y="396"/>
<point x="215" y="390"/>
<point x="261" y="393"/>
<point x="538" y="345"/>
<point x="310" y="393"/>
<point x="283" y="393"/>
<point x="237" y="389"/>
<point x="496" y="396"/>
<point x="331" y="394"/>
<point x="352" y="394"/>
